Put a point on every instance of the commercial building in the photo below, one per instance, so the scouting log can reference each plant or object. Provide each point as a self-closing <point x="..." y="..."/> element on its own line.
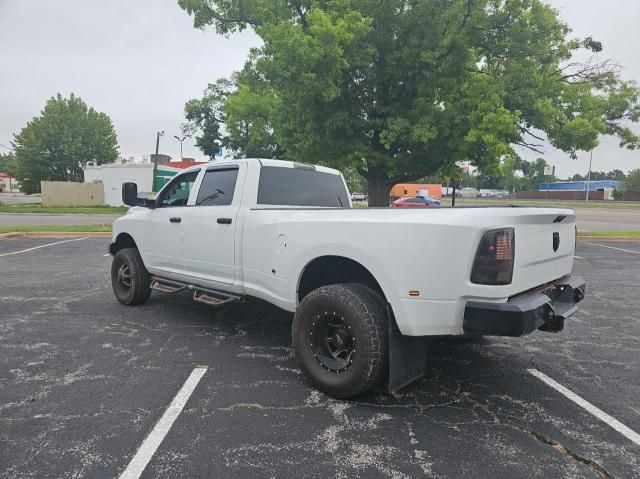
<point x="579" y="185"/>
<point x="113" y="175"/>
<point x="7" y="183"/>
<point x="572" y="190"/>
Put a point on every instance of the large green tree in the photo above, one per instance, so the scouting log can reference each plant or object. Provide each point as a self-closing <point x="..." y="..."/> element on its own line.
<point x="55" y="145"/>
<point x="205" y="116"/>
<point x="402" y="89"/>
<point x="242" y="110"/>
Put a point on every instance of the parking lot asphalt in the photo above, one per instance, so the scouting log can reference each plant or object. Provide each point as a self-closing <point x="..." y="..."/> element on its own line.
<point x="83" y="380"/>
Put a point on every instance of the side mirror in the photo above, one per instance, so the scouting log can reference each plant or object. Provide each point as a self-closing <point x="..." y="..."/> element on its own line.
<point x="130" y="194"/>
<point x="130" y="197"/>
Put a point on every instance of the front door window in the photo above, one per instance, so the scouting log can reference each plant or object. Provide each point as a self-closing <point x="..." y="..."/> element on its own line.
<point x="178" y="191"/>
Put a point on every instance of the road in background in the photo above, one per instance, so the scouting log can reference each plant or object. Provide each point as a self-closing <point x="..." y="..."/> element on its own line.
<point x="599" y="219"/>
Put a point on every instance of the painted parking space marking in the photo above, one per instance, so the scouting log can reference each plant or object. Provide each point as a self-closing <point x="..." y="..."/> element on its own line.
<point x="587" y="406"/>
<point x="149" y="446"/>
<point x="105" y="255"/>
<point x="613" y="247"/>
<point x="577" y="257"/>
<point x="41" y="246"/>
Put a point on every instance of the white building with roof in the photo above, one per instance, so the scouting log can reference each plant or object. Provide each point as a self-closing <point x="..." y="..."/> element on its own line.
<point x="113" y="175"/>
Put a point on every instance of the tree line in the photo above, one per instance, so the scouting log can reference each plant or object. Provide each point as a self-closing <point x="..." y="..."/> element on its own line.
<point x="528" y="175"/>
<point x="523" y="175"/>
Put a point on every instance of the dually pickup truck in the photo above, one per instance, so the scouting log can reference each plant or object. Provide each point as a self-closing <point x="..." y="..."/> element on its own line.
<point x="367" y="286"/>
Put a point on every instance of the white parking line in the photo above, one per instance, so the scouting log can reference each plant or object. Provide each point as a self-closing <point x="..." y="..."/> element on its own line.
<point x="42" y="246"/>
<point x="105" y="255"/>
<point x="577" y="257"/>
<point x="611" y="247"/>
<point x="603" y="416"/>
<point x="155" y="437"/>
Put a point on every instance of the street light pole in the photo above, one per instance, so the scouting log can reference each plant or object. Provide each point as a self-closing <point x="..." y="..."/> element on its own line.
<point x="586" y="200"/>
<point x="155" y="160"/>
<point x="180" y="140"/>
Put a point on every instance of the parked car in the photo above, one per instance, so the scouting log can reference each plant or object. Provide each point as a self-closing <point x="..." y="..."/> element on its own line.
<point x="363" y="310"/>
<point x="416" y="202"/>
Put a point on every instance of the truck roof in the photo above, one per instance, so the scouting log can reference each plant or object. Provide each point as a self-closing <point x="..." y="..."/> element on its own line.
<point x="266" y="162"/>
<point x="292" y="164"/>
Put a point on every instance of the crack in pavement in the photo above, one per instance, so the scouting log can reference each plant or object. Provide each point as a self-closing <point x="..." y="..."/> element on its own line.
<point x="71" y="417"/>
<point x="596" y="468"/>
<point x="593" y="466"/>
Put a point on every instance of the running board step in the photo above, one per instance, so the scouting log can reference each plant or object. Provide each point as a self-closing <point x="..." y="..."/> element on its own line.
<point x="201" y="295"/>
<point x="166" y="287"/>
<point x="214" y="298"/>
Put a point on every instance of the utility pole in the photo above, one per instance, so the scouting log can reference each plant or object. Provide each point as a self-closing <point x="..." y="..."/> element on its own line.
<point x="586" y="200"/>
<point x="155" y="160"/>
<point x="180" y="140"/>
<point x="453" y="196"/>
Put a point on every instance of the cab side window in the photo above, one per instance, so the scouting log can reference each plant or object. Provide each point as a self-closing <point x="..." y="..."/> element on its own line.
<point x="177" y="193"/>
<point x="218" y="187"/>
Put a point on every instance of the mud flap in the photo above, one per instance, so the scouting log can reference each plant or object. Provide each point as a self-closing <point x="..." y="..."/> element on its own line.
<point x="407" y="358"/>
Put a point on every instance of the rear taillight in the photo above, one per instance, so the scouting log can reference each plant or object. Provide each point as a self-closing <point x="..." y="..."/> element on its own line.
<point x="494" y="259"/>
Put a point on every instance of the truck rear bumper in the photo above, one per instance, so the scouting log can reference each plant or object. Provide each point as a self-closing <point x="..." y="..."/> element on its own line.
<point x="545" y="309"/>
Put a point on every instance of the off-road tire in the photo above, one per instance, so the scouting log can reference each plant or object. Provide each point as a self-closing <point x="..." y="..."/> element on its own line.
<point x="360" y="310"/>
<point x="139" y="279"/>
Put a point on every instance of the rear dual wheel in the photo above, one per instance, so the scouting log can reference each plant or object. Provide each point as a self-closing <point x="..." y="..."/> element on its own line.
<point x="340" y="338"/>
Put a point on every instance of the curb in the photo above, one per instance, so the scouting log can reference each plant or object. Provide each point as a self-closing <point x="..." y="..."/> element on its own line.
<point x="56" y="234"/>
<point x="15" y="234"/>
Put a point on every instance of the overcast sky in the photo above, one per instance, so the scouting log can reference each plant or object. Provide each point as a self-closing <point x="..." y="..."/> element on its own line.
<point x="140" y="60"/>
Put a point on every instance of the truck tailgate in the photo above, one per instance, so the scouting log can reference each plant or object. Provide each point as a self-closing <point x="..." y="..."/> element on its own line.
<point x="544" y="248"/>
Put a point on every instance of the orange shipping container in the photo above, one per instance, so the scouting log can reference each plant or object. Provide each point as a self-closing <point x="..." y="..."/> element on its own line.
<point x="410" y="189"/>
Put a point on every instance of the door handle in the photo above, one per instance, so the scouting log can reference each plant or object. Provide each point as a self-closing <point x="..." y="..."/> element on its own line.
<point x="224" y="221"/>
<point x="175" y="219"/>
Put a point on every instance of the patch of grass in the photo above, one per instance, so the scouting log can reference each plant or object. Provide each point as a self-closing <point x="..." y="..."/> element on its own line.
<point x="360" y="204"/>
<point x="56" y="228"/>
<point x="607" y="233"/>
<point x="83" y="210"/>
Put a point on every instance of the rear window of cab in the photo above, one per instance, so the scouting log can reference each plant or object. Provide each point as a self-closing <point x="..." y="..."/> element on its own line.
<point x="301" y="186"/>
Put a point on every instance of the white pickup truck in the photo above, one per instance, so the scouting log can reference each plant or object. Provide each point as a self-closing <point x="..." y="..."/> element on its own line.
<point x="366" y="285"/>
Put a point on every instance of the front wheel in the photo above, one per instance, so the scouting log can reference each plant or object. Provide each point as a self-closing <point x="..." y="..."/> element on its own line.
<point x="340" y="338"/>
<point x="130" y="280"/>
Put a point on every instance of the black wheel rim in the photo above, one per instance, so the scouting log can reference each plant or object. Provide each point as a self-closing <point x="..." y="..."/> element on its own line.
<point x="123" y="277"/>
<point x="331" y="342"/>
